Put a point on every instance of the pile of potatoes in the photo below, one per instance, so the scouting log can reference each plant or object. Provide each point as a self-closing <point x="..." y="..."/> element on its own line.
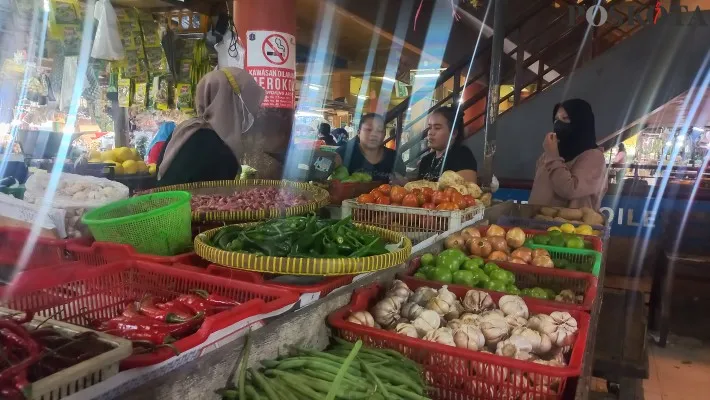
<point x="583" y="215"/>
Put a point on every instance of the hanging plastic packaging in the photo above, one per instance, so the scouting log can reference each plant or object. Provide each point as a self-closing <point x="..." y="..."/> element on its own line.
<point x="230" y="52"/>
<point x="107" y="45"/>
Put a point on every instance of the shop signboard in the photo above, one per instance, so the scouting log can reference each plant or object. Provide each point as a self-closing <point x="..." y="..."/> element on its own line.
<point x="629" y="216"/>
<point x="271" y="60"/>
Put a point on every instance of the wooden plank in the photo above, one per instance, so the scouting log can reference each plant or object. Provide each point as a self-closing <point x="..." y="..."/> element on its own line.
<point x="621" y="337"/>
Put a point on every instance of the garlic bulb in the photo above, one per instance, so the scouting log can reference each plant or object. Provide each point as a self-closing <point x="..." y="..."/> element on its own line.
<point x="561" y="329"/>
<point x="566" y="296"/>
<point x="541" y="343"/>
<point x="399" y="289"/>
<point x="477" y="301"/>
<point x="455" y="324"/>
<point x="536" y="322"/>
<point x="516" y="347"/>
<point x="545" y="381"/>
<point x="441" y="335"/>
<point x="469" y="318"/>
<point x="455" y="311"/>
<point x="411" y="311"/>
<point x="557" y="356"/>
<point x="469" y="337"/>
<point x="386" y="311"/>
<point x="515" y="321"/>
<point x="406" y="330"/>
<point x="494" y="328"/>
<point x="495" y="312"/>
<point x="513" y="305"/>
<point x="539" y="393"/>
<point x="518" y="383"/>
<point x="439" y="305"/>
<point x="362" y="318"/>
<point x="446" y="295"/>
<point x="422" y="295"/>
<point x="427" y="321"/>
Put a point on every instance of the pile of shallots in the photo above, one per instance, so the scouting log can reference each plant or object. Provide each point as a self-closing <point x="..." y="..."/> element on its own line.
<point x="474" y="322"/>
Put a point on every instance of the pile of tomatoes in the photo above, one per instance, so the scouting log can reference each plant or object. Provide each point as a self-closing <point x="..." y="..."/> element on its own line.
<point x="448" y="199"/>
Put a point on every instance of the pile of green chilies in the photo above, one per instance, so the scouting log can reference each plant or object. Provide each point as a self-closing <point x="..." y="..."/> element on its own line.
<point x="301" y="236"/>
<point x="345" y="371"/>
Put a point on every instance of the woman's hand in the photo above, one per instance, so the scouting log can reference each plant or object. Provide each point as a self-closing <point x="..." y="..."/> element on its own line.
<point x="550" y="145"/>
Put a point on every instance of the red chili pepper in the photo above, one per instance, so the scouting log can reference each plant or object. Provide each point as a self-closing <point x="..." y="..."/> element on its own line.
<point x="131" y="310"/>
<point x="144" y="328"/>
<point x="178" y="309"/>
<point x="215" y="299"/>
<point x="149" y="308"/>
<point x="196" y="303"/>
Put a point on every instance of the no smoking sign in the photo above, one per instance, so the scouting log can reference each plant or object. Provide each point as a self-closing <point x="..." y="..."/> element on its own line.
<point x="271" y="60"/>
<point x="275" y="49"/>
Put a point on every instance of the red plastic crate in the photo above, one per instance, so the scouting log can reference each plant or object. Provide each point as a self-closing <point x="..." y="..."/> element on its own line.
<point x="101" y="253"/>
<point x="456" y="374"/>
<point x="324" y="287"/>
<point x="529" y="233"/>
<point x="78" y="295"/>
<point x="529" y="276"/>
<point x="46" y="252"/>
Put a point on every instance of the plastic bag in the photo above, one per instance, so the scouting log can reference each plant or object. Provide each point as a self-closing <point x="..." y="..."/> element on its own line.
<point x="107" y="44"/>
<point x="75" y="190"/>
<point x="230" y="52"/>
<point x="15" y="212"/>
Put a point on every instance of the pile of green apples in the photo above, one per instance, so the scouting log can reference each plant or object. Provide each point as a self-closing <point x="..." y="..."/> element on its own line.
<point x="452" y="266"/>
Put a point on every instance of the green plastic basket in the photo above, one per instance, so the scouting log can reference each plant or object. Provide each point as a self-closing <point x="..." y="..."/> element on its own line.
<point x="158" y="223"/>
<point x="574" y="255"/>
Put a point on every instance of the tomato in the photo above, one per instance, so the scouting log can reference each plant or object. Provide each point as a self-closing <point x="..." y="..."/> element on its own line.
<point x="383" y="200"/>
<point x="397" y="194"/>
<point x="416" y="191"/>
<point x="470" y="201"/>
<point x="447" y="206"/>
<point x="385" y="189"/>
<point x="451" y="191"/>
<point x="421" y="198"/>
<point x="440" y="197"/>
<point x="429" y="206"/>
<point x="428" y="194"/>
<point x="377" y="194"/>
<point x="457" y="198"/>
<point x="366" y="199"/>
<point x="410" y="200"/>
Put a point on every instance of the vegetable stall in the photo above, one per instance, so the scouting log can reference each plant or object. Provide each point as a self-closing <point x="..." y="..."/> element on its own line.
<point x="272" y="300"/>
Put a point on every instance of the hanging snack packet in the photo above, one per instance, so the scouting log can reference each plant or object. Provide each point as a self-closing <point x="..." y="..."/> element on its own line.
<point x="155" y="56"/>
<point x="65" y="24"/>
<point x="124" y="92"/>
<point x="183" y="93"/>
<point x="140" y="95"/>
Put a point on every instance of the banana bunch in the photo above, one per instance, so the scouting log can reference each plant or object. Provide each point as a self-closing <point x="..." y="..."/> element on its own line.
<point x="200" y="62"/>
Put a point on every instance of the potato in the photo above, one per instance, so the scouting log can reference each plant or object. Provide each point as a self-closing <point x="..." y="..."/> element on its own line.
<point x="587" y="210"/>
<point x="593" y="218"/>
<point x="570" y="213"/>
<point x="543" y="217"/>
<point x="486" y="199"/>
<point x="549" y="211"/>
<point x="560" y="219"/>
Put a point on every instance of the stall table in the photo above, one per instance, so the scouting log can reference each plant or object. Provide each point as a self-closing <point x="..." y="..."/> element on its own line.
<point x="306" y="327"/>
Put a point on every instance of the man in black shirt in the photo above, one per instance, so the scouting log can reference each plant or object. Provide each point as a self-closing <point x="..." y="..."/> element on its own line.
<point x="366" y="152"/>
<point x="444" y="139"/>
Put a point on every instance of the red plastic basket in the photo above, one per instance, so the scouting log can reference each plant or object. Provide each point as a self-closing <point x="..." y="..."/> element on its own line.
<point x="340" y="191"/>
<point x="323" y="288"/>
<point x="80" y="295"/>
<point x="529" y="276"/>
<point x="46" y="252"/>
<point x="457" y="374"/>
<point x="101" y="253"/>
<point x="595" y="241"/>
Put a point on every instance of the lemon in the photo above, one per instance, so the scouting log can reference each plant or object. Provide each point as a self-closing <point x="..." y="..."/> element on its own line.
<point x="130" y="167"/>
<point x="123" y="154"/>
<point x="152" y="169"/>
<point x="94" y="155"/>
<point x="135" y="155"/>
<point x="95" y="160"/>
<point x="117" y="167"/>
<point x="584" y="230"/>
<point x="553" y="228"/>
<point x="567" y="228"/>
<point x="108" y="156"/>
<point x="142" y="168"/>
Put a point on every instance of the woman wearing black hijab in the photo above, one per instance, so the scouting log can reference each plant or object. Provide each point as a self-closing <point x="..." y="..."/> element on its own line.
<point x="571" y="171"/>
<point x="324" y="134"/>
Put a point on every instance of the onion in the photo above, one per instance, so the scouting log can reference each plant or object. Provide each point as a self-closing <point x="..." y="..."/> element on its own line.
<point x="498" y="256"/>
<point x="495" y="230"/>
<point x="516" y="260"/>
<point x="498" y="244"/>
<point x="540" y="252"/>
<point x="480" y="247"/>
<point x="523" y="253"/>
<point x="455" y="241"/>
<point x="469" y="233"/>
<point x="515" y="237"/>
<point x="543" y="261"/>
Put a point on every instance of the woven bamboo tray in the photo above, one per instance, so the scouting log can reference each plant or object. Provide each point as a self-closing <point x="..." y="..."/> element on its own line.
<point x="316" y="196"/>
<point x="307" y="266"/>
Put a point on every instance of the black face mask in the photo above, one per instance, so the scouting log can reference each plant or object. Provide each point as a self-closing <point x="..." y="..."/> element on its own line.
<point x="562" y="129"/>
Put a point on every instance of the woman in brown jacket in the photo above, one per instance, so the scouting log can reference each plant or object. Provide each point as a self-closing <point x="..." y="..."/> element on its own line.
<point x="572" y="171"/>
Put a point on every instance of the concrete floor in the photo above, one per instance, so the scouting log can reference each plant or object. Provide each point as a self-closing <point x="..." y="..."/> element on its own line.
<point x="679" y="371"/>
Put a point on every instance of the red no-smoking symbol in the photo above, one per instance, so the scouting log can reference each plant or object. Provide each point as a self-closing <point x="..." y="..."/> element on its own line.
<point x="275" y="49"/>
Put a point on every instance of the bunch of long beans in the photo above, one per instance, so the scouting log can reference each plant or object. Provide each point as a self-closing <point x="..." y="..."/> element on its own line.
<point x="345" y="371"/>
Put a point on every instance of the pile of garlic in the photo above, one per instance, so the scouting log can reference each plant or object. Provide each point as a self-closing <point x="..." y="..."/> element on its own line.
<point x="475" y="323"/>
